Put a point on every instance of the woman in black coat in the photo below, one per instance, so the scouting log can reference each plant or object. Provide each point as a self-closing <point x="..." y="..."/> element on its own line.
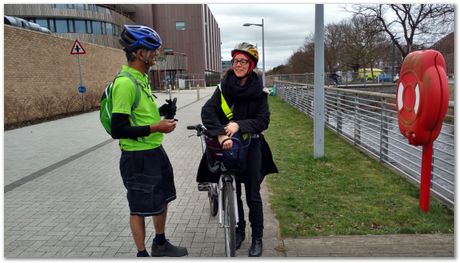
<point x="244" y="94"/>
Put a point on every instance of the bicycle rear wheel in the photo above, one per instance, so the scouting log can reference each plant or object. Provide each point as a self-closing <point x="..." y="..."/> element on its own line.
<point x="229" y="203"/>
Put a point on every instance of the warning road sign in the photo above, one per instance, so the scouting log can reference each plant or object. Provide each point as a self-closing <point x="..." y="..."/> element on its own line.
<point x="77" y="48"/>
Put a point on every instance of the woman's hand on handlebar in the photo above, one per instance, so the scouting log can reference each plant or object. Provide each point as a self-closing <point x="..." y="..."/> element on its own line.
<point x="225" y="141"/>
<point x="231" y="128"/>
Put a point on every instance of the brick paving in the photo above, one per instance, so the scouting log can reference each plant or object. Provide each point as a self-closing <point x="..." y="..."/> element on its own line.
<point x="74" y="204"/>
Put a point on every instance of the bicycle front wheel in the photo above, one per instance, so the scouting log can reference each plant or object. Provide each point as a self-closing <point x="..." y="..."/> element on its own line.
<point x="213" y="199"/>
<point x="229" y="220"/>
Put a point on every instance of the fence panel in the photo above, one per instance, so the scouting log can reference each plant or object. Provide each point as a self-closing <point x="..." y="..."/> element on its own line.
<point x="369" y="121"/>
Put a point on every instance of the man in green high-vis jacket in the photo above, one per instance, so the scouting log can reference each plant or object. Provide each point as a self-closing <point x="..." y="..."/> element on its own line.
<point x="144" y="165"/>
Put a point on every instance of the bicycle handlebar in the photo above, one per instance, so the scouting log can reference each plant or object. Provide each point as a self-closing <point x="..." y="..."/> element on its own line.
<point x="199" y="128"/>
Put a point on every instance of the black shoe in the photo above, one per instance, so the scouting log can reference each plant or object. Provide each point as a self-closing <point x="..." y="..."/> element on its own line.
<point x="240" y="236"/>
<point x="142" y="254"/>
<point x="168" y="250"/>
<point x="256" y="248"/>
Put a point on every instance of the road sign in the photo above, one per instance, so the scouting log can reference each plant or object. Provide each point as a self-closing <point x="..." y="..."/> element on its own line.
<point x="82" y="89"/>
<point x="77" y="48"/>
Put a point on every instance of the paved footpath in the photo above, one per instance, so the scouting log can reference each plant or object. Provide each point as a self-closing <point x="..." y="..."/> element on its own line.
<point x="64" y="198"/>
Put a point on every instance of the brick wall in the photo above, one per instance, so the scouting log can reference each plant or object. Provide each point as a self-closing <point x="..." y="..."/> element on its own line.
<point x="41" y="77"/>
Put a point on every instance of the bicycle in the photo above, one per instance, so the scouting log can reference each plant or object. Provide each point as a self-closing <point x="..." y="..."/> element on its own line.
<point x="222" y="195"/>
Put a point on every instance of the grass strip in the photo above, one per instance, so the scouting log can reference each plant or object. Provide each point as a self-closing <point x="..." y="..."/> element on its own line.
<point x="344" y="193"/>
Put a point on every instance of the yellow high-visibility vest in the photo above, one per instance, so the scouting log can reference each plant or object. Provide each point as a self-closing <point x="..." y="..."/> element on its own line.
<point x="227" y="111"/>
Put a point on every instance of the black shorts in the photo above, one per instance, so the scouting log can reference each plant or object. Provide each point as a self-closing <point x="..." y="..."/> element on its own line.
<point x="148" y="177"/>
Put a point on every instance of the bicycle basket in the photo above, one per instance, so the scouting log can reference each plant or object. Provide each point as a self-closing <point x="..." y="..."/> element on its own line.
<point x="220" y="160"/>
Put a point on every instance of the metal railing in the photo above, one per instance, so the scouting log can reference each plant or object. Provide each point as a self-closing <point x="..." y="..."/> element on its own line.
<point x="369" y="121"/>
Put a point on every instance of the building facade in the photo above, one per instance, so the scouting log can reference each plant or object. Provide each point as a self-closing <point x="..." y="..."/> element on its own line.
<point x="90" y="23"/>
<point x="189" y="29"/>
<point x="190" y="33"/>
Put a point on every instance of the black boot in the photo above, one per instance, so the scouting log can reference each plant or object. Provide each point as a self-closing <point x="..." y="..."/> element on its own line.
<point x="256" y="247"/>
<point x="240" y="236"/>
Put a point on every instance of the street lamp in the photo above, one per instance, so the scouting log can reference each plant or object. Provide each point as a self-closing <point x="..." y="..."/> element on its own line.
<point x="263" y="48"/>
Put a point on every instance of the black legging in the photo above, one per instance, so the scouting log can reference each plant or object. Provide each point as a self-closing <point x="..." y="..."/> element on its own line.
<point x="251" y="179"/>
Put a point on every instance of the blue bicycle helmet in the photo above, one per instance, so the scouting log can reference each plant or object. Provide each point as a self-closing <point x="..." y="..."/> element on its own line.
<point x="134" y="37"/>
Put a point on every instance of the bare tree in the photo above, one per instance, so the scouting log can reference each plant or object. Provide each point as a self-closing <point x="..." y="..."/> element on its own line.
<point x="355" y="43"/>
<point x="334" y="41"/>
<point x="303" y="59"/>
<point x="409" y="25"/>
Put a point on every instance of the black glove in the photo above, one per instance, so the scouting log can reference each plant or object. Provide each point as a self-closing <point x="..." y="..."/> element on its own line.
<point x="168" y="109"/>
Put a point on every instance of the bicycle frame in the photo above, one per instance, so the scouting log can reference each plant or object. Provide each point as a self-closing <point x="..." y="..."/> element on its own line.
<point x="226" y="181"/>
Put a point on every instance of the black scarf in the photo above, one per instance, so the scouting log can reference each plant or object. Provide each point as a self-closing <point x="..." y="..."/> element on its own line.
<point x="232" y="89"/>
<point x="241" y="96"/>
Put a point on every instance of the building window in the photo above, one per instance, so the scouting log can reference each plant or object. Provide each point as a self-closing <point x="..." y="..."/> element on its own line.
<point x="52" y="25"/>
<point x="70" y="25"/>
<point x="80" y="6"/>
<point x="103" y="10"/>
<point x="104" y="31"/>
<point x="96" y="26"/>
<point x="109" y="28"/>
<point x="180" y="25"/>
<point x="61" y="6"/>
<point x="61" y="26"/>
<point x="89" y="29"/>
<point x="80" y="26"/>
<point x="42" y="22"/>
<point x="116" y="30"/>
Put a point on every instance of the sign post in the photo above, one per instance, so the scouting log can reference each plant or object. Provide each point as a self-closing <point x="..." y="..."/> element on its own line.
<point x="77" y="49"/>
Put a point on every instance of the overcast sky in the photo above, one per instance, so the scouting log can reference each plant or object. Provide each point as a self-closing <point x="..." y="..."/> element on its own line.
<point x="286" y="26"/>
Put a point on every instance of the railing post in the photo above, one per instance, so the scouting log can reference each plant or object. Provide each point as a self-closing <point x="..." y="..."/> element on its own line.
<point x="383" y="132"/>
<point x="339" y="113"/>
<point x="357" y="132"/>
<point x="326" y="113"/>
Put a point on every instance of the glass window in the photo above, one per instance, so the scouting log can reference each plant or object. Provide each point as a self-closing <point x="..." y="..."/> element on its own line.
<point x="70" y="25"/>
<point x="180" y="25"/>
<point x="103" y="10"/>
<point x="52" y="24"/>
<point x="103" y="27"/>
<point x="60" y="6"/>
<point x="61" y="26"/>
<point x="92" y="7"/>
<point x="80" y="26"/>
<point x="89" y="28"/>
<point x="109" y="28"/>
<point x="80" y="6"/>
<point x="116" y="30"/>
<point x="42" y="22"/>
<point x="96" y="25"/>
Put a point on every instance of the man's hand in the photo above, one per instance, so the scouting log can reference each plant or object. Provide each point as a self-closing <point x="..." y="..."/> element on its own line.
<point x="168" y="109"/>
<point x="164" y="126"/>
<point x="231" y="128"/>
<point x="171" y="108"/>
